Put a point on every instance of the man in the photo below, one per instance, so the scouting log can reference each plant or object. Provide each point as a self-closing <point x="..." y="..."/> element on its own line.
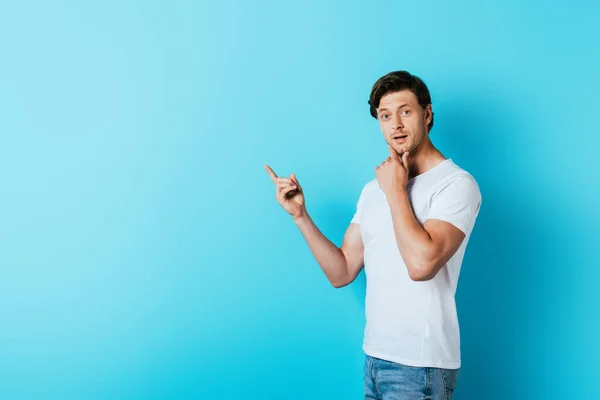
<point x="410" y="231"/>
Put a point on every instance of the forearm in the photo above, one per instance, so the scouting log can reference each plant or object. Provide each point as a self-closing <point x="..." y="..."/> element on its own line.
<point x="413" y="241"/>
<point x="330" y="258"/>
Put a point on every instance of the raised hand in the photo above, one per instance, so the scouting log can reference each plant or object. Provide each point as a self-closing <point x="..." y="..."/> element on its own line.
<point x="289" y="194"/>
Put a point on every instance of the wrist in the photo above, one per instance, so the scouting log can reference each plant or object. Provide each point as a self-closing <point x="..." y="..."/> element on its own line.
<point x="301" y="218"/>
<point x="397" y="193"/>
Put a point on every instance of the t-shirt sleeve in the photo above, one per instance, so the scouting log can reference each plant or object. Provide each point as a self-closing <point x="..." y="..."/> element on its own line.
<point x="458" y="203"/>
<point x="357" y="213"/>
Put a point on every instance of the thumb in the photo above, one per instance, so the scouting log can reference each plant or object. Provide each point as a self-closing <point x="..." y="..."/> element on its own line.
<point x="295" y="179"/>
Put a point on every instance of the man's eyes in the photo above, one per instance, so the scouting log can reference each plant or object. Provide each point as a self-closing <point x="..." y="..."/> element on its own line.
<point x="403" y="113"/>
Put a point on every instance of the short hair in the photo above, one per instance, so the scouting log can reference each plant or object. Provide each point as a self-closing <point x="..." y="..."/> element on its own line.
<point x="395" y="82"/>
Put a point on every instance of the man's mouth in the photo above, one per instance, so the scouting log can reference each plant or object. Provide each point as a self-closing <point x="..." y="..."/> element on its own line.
<point x="399" y="137"/>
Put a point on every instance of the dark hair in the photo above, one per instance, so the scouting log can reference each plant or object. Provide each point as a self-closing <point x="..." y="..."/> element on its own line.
<point x="395" y="82"/>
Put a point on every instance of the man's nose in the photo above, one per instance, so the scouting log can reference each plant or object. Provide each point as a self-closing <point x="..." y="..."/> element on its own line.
<point x="397" y="122"/>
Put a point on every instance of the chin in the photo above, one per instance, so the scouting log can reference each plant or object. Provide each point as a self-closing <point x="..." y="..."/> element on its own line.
<point x="401" y="150"/>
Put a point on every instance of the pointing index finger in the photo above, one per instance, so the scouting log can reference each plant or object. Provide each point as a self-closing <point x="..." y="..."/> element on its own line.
<point x="271" y="174"/>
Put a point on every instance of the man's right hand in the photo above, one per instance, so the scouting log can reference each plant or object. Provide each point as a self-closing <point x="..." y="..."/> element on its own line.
<point x="289" y="194"/>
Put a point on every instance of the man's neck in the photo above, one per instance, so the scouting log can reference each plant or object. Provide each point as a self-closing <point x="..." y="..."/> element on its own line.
<point x="425" y="158"/>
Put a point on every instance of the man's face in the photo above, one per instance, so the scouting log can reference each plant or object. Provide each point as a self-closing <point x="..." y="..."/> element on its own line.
<point x="403" y="122"/>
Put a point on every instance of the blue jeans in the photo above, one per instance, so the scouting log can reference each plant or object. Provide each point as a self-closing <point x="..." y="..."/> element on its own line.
<point x="387" y="380"/>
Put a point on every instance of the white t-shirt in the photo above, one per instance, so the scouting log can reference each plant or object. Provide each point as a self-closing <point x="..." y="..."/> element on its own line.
<point x="409" y="322"/>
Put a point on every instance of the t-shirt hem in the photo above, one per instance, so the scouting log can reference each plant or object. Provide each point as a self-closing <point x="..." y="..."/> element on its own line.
<point x="412" y="363"/>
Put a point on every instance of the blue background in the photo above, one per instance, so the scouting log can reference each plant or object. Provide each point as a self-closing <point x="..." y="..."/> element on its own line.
<point x="143" y="254"/>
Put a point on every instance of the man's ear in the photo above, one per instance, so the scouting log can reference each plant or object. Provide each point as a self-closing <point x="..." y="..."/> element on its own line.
<point x="428" y="114"/>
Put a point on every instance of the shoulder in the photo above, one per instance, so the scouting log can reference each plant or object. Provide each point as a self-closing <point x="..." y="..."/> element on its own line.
<point x="459" y="181"/>
<point x="369" y="186"/>
<point x="367" y="189"/>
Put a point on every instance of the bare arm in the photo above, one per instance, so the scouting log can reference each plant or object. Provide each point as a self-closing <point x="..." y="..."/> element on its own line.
<point x="425" y="249"/>
<point x="340" y="265"/>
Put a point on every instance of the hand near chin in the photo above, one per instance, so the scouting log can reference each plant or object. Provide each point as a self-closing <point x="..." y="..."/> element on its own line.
<point x="392" y="174"/>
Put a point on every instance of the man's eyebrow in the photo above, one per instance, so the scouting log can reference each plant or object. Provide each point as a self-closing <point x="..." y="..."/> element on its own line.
<point x="400" y="106"/>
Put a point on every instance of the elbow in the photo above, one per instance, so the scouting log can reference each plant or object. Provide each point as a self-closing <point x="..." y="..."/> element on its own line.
<point x="422" y="272"/>
<point x="419" y="276"/>
<point x="339" y="283"/>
